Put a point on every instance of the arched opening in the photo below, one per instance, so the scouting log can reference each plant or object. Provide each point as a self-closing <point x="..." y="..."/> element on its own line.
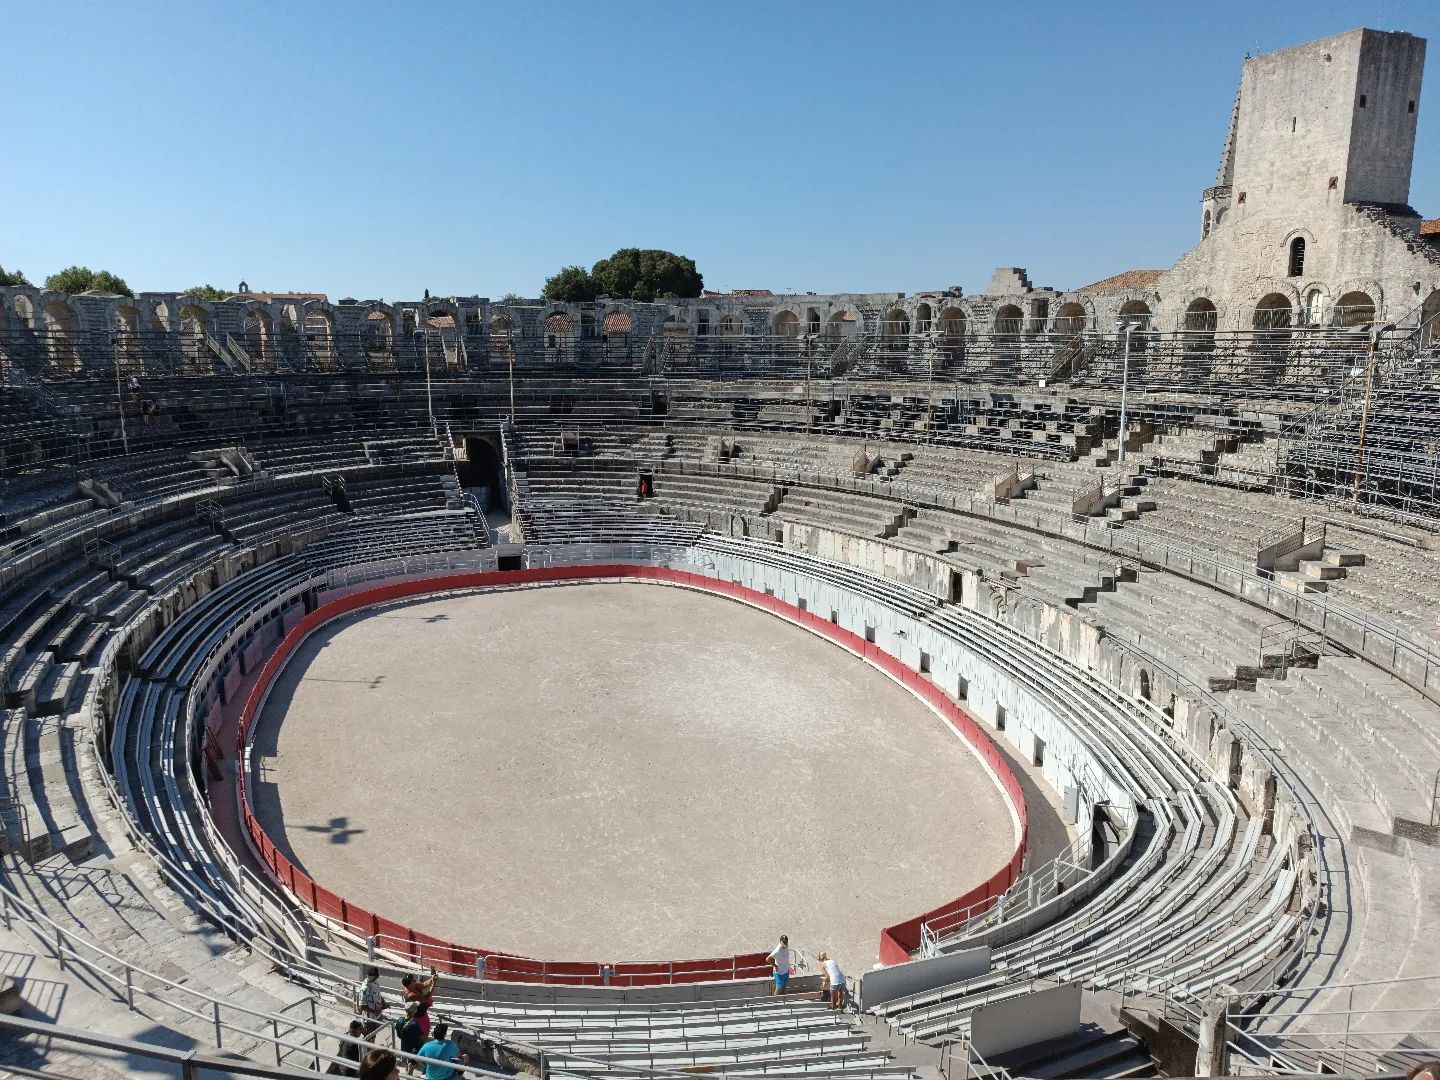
<point x="127" y="341"/>
<point x="1297" y="257"/>
<point x="25" y="312"/>
<point x="1136" y="311"/>
<point x="319" y="338"/>
<point x="1144" y="684"/>
<point x="441" y="319"/>
<point x="617" y="323"/>
<point x="841" y="325"/>
<point x="1354" y="309"/>
<point x="1205" y="226"/>
<point x="194" y="329"/>
<point x="1009" y="321"/>
<point x="951" y="324"/>
<point x="380" y="341"/>
<point x="62" y="338"/>
<point x="559" y="330"/>
<point x="923" y="318"/>
<point x="895" y="327"/>
<point x="161" y="314"/>
<point x="1200" y="316"/>
<point x="786" y="325"/>
<point x="500" y="331"/>
<point x="1070" y="319"/>
<point x="731" y="326"/>
<point x="1430" y="319"/>
<point x="473" y="325"/>
<point x="1273" y="312"/>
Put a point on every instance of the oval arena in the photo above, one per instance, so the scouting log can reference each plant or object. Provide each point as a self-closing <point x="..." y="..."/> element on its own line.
<point x="1065" y="664"/>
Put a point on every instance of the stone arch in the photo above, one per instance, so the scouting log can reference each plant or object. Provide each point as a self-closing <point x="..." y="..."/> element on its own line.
<point x="1137" y="310"/>
<point x="1009" y="321"/>
<point x="62" y="333"/>
<point x="194" y="323"/>
<point x="1274" y="311"/>
<point x="318" y="326"/>
<point x="256" y="334"/>
<point x="379" y="343"/>
<point x="1071" y="318"/>
<point x="785" y="324"/>
<point x="1354" y="308"/>
<point x="558" y="328"/>
<point x="124" y="323"/>
<point x="24" y="309"/>
<point x="502" y="330"/>
<point x="952" y="324"/>
<point x="895" y="325"/>
<point x="1430" y="319"/>
<point x="844" y="322"/>
<point x="1201" y="316"/>
<point x="617" y="322"/>
<point x="924" y="317"/>
<point x="730" y="326"/>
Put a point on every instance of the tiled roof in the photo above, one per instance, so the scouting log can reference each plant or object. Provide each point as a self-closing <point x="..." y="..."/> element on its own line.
<point x="1130" y="279"/>
<point x="1430" y="228"/>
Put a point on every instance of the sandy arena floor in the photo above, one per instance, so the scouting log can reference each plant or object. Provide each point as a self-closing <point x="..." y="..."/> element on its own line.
<point x="618" y="772"/>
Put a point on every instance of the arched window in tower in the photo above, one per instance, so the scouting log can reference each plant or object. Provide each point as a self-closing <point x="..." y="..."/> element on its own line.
<point x="1205" y="229"/>
<point x="1297" y="256"/>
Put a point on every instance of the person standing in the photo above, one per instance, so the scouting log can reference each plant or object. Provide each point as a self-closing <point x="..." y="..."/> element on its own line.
<point x="440" y="1046"/>
<point x="780" y="961"/>
<point x="421" y="991"/>
<point x="372" y="1001"/>
<point x="834" y="981"/>
<point x="409" y="1035"/>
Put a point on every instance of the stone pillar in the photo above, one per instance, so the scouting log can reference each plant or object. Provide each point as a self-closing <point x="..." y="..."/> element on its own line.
<point x="1210" y="1048"/>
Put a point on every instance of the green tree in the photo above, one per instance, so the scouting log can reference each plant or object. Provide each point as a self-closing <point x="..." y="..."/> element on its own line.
<point x="573" y="285"/>
<point x="79" y="279"/>
<point x="12" y="277"/>
<point x="511" y="298"/>
<point x="645" y="273"/>
<point x="206" y="292"/>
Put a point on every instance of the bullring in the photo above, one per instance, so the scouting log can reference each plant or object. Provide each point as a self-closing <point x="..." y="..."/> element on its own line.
<point x="1158" y="552"/>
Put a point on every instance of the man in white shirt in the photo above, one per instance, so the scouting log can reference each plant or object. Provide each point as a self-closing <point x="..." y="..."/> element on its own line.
<point x="834" y="980"/>
<point x="780" y="960"/>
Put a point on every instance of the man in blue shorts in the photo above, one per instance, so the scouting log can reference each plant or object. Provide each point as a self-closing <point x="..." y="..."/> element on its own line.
<point x="780" y="960"/>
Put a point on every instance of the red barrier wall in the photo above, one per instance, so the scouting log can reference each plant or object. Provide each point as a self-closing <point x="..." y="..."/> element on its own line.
<point x="896" y="942"/>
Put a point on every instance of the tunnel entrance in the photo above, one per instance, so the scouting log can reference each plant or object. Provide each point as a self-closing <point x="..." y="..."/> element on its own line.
<point x="481" y="472"/>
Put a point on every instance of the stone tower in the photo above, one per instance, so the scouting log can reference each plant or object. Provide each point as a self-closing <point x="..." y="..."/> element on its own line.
<point x="1325" y="122"/>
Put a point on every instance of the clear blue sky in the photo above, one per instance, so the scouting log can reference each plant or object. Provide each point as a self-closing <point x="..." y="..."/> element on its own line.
<point x="372" y="150"/>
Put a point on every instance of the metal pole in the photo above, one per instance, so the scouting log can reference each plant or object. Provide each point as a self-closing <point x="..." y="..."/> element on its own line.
<point x="119" y="396"/>
<point x="510" y="357"/>
<point x="1364" y="418"/>
<point x="1124" y="392"/>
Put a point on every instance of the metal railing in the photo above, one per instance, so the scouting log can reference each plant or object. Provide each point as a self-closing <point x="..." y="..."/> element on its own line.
<point x="1365" y="1026"/>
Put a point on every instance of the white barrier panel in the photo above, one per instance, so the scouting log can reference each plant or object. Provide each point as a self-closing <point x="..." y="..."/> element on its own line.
<point x="1024" y="1021"/>
<point x="888" y="983"/>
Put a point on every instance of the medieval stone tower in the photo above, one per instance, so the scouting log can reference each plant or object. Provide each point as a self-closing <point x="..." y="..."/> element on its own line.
<point x="1308" y="220"/>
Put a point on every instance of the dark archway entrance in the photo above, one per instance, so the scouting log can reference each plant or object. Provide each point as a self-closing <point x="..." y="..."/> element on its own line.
<point x="482" y="472"/>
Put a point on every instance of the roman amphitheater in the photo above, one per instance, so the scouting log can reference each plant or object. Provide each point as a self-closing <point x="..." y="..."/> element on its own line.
<point x="1065" y="663"/>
